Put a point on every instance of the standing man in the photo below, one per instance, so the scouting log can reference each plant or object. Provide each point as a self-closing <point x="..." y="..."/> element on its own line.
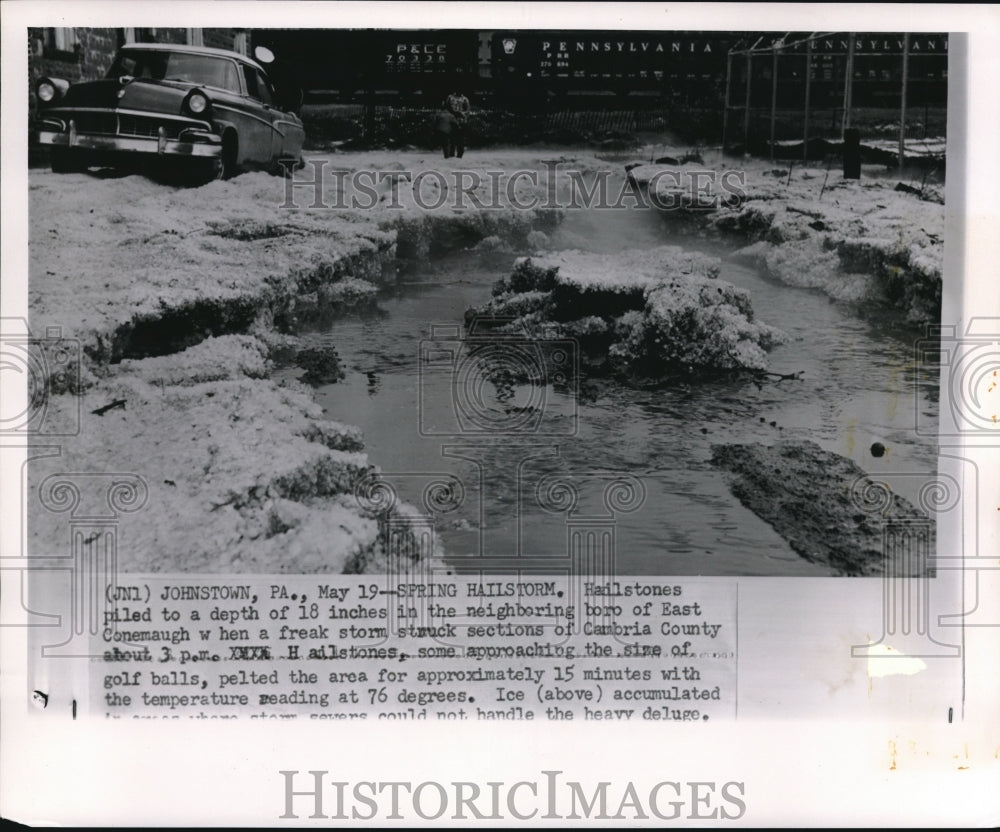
<point x="447" y="128"/>
<point x="458" y="105"/>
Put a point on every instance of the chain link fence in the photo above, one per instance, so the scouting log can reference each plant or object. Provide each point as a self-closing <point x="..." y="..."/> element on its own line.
<point x="796" y="96"/>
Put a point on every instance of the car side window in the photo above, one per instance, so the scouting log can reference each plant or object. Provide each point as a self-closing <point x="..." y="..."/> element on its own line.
<point x="264" y="89"/>
<point x="251" y="80"/>
<point x="257" y="85"/>
<point x="231" y="80"/>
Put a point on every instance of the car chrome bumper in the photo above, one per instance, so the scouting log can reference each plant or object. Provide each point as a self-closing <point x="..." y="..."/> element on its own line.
<point x="208" y="145"/>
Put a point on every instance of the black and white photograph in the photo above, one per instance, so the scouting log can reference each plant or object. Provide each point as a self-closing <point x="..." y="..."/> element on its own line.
<point x="494" y="281"/>
<point x="374" y="366"/>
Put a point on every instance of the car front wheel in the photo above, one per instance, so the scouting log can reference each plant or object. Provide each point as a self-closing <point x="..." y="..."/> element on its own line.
<point x="226" y="166"/>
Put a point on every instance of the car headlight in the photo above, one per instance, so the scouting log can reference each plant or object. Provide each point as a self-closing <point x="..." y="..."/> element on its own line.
<point x="50" y="89"/>
<point x="197" y="103"/>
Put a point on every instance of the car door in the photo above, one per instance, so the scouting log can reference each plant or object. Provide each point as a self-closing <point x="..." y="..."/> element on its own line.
<point x="266" y="136"/>
<point x="287" y="125"/>
<point x="293" y="134"/>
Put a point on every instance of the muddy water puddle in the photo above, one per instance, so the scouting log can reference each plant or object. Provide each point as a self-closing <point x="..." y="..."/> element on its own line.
<point x="607" y="450"/>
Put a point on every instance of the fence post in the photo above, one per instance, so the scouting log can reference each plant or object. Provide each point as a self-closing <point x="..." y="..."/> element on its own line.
<point x="774" y="94"/>
<point x="902" y="101"/>
<point x="805" y="127"/>
<point x="725" y="110"/>
<point x="368" y="130"/>
<point x="746" y="106"/>
<point x="848" y="86"/>
<point x="852" y="154"/>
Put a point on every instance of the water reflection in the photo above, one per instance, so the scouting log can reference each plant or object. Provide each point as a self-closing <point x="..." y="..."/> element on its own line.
<point x="856" y="387"/>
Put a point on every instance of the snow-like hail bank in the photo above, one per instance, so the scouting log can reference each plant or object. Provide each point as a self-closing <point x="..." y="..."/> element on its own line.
<point x="874" y="242"/>
<point x="639" y="314"/>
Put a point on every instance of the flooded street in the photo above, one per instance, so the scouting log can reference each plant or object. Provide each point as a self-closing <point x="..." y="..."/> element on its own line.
<point x="856" y="388"/>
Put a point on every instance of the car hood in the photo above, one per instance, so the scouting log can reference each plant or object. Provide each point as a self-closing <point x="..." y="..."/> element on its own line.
<point x="137" y="94"/>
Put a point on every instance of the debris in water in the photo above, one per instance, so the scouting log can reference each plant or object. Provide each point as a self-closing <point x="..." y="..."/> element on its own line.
<point x="322" y="365"/>
<point x="115" y="404"/>
<point x="818" y="502"/>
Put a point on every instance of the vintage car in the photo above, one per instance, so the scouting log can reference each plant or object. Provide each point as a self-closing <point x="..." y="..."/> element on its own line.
<point x="205" y="109"/>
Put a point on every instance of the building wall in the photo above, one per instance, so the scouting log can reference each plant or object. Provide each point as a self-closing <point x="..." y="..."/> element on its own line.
<point x="235" y="40"/>
<point x="96" y="47"/>
<point x="169" y="35"/>
<point x="91" y="59"/>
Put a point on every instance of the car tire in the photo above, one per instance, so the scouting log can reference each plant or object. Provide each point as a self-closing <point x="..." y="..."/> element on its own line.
<point x="226" y="166"/>
<point x="67" y="161"/>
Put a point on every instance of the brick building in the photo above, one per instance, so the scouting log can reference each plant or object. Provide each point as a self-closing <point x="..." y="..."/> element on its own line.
<point x="84" y="54"/>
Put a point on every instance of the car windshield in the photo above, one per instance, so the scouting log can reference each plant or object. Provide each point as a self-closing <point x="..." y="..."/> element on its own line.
<point x="208" y="70"/>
